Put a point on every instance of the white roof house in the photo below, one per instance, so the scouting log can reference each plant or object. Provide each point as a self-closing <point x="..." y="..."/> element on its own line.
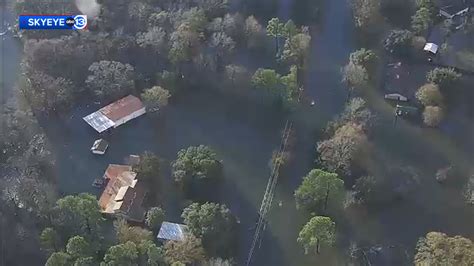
<point x="431" y="47"/>
<point x="116" y="113"/>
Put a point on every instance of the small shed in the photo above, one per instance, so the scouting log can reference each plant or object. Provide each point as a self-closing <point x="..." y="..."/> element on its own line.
<point x="396" y="97"/>
<point x="99" y="147"/>
<point x="431" y="48"/>
<point x="172" y="231"/>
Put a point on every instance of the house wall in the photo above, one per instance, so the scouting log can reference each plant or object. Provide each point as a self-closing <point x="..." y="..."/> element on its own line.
<point x="130" y="117"/>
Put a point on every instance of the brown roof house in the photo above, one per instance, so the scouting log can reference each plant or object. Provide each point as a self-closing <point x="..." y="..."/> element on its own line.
<point x="123" y="195"/>
<point x="116" y="113"/>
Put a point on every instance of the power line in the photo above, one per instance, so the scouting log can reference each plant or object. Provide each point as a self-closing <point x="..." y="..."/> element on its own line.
<point x="272" y="182"/>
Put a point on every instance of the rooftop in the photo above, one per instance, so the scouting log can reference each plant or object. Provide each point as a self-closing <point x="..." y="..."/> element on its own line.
<point x="453" y="6"/>
<point x="107" y="116"/>
<point x="123" y="194"/>
<point x="172" y="231"/>
<point x="121" y="108"/>
<point x="100" y="145"/>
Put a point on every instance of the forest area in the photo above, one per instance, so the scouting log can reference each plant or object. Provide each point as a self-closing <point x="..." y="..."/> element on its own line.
<point x="364" y="180"/>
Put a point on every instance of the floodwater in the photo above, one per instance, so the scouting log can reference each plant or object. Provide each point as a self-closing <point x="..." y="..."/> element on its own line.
<point x="244" y="136"/>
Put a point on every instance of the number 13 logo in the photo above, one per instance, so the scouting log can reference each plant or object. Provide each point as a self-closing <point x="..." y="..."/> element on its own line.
<point x="80" y="22"/>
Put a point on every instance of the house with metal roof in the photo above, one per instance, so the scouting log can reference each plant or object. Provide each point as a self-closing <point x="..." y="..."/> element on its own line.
<point x="116" y="113"/>
<point x="124" y="194"/>
<point x="172" y="231"/>
<point x="454" y="8"/>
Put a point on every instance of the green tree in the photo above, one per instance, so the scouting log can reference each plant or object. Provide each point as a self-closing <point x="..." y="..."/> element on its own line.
<point x="275" y="29"/>
<point x="429" y="94"/>
<point x="422" y="20"/>
<point x="429" y="4"/>
<point x="267" y="79"/>
<point x="78" y="247"/>
<point x="154" y="38"/>
<point x="121" y="255"/>
<point x="366" y="13"/>
<point x="79" y="214"/>
<point x="320" y="230"/>
<point x="155" y="98"/>
<point x="126" y="233"/>
<point x="59" y="259"/>
<point x="150" y="254"/>
<point x="48" y="94"/>
<point x="438" y="249"/>
<point x="214" y="224"/>
<point x="355" y="76"/>
<point x="49" y="239"/>
<point x="338" y="153"/>
<point x="111" y="79"/>
<point x="444" y="77"/>
<point x="188" y="251"/>
<point x="195" y="18"/>
<point x="148" y="168"/>
<point x="296" y="49"/>
<point x="398" y="42"/>
<point x="355" y="111"/>
<point x="364" y="57"/>
<point x="290" y="29"/>
<point x="290" y="83"/>
<point x="183" y="42"/>
<point x="433" y="115"/>
<point x="154" y="217"/>
<point x="196" y="162"/>
<point x="318" y="190"/>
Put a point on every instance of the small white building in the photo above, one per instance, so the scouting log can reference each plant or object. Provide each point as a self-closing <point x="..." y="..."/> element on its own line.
<point x="99" y="147"/>
<point x="116" y="113"/>
<point x="431" y="48"/>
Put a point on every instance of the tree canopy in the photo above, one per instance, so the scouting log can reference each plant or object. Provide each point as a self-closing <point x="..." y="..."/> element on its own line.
<point x="398" y="42"/>
<point x="214" y="224"/>
<point x="79" y="214"/>
<point x="126" y="233"/>
<point x="196" y="162"/>
<point x="320" y="230"/>
<point x="444" y="77"/>
<point x="148" y="168"/>
<point x="338" y="153"/>
<point x="318" y="190"/>
<point x="433" y="115"/>
<point x="439" y="249"/>
<point x="111" y="79"/>
<point x="188" y="251"/>
<point x="154" y="217"/>
<point x="429" y="94"/>
<point x="121" y="254"/>
<point x="364" y="57"/>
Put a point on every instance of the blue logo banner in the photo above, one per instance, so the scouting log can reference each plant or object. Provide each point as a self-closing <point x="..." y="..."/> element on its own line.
<point x="52" y="22"/>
